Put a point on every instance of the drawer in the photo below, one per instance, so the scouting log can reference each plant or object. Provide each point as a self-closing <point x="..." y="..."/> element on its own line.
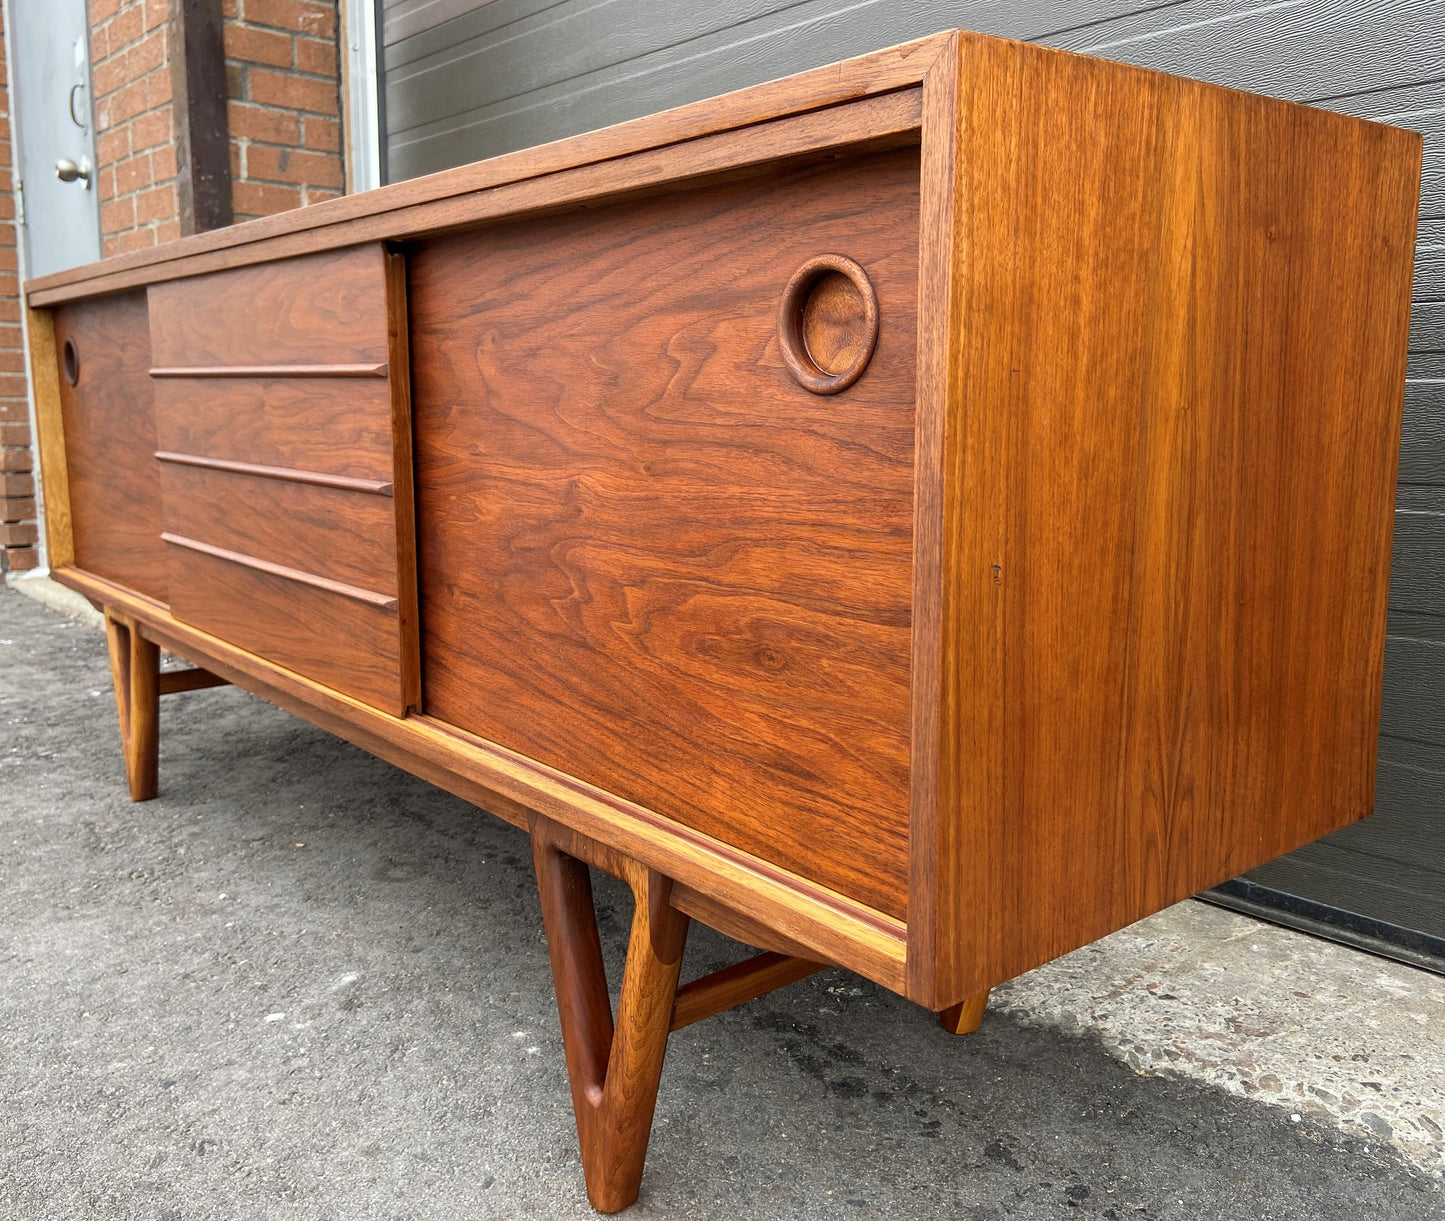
<point x="283" y="441"/>
<point x="651" y="557"/>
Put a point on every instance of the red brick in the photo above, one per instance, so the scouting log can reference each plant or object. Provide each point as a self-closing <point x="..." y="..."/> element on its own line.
<point x="10" y="312"/>
<point x="22" y="560"/>
<point x="17" y="508"/>
<point x="123" y="104"/>
<point x="15" y="461"/>
<point x="282" y="165"/>
<point x="238" y="160"/>
<point x="257" y="46"/>
<point x="293" y="92"/>
<point x="151" y="129"/>
<point x="118" y="215"/>
<point x="105" y="184"/>
<point x="322" y="134"/>
<point x="157" y="204"/>
<point x="315" y="195"/>
<point x="168" y="231"/>
<point x="19" y="534"/>
<point x="15" y="409"/>
<point x="135" y="239"/>
<point x="109" y="246"/>
<point x="261" y="199"/>
<point x="15" y="432"/>
<point x="17" y="487"/>
<point x="99" y="46"/>
<point x="160" y="88"/>
<point x="134" y="174"/>
<point x="163" y="164"/>
<point x="264" y="124"/>
<point x="127" y="25"/>
<point x="103" y="10"/>
<point x="316" y="55"/>
<point x="12" y="361"/>
<point x="7" y="207"/>
<point x="296" y="16"/>
<point x="108" y="75"/>
<point x="8" y="261"/>
<point x="157" y="12"/>
<point x="230" y="9"/>
<point x="147" y="55"/>
<point x="114" y="145"/>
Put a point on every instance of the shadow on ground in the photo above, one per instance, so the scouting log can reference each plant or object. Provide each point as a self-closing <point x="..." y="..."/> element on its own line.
<point x="302" y="984"/>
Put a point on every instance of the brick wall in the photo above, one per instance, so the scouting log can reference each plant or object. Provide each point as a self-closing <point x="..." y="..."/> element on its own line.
<point x="18" y="529"/>
<point x="283" y="82"/>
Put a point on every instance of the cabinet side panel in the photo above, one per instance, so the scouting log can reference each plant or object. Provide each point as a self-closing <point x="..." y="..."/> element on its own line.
<point x="110" y="441"/>
<point x="1181" y="318"/>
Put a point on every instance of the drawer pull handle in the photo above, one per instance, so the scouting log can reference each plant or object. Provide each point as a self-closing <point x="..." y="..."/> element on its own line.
<point x="70" y="360"/>
<point x="828" y="323"/>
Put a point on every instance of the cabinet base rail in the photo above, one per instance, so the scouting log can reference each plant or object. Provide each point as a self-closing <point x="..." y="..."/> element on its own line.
<point x="614" y="1062"/>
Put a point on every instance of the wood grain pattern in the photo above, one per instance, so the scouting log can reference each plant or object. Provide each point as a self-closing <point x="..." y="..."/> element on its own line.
<point x="647" y="556"/>
<point x="135" y="664"/>
<point x="311" y="424"/>
<point x="614" y="1066"/>
<point x="736" y="985"/>
<point x="109" y="428"/>
<point x="339" y="640"/>
<point x="320" y="309"/>
<point x="50" y="438"/>
<point x="390" y="213"/>
<point x="336" y="533"/>
<point x="274" y="458"/>
<point x="1177" y="337"/>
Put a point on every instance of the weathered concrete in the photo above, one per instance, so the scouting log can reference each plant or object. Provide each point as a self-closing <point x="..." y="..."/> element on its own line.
<point x="302" y="984"/>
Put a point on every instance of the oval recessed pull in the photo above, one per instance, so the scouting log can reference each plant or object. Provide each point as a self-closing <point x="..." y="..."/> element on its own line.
<point x="828" y="323"/>
<point x="70" y="360"/>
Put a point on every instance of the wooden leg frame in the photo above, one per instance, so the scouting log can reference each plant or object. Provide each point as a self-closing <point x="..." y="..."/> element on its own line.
<point x="135" y="666"/>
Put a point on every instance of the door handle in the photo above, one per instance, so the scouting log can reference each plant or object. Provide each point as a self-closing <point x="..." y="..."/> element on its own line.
<point x="67" y="171"/>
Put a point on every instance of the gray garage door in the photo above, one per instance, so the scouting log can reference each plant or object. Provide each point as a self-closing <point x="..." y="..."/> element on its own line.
<point x="466" y="80"/>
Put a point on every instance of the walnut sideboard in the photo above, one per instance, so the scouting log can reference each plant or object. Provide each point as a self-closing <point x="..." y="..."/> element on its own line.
<point x="919" y="516"/>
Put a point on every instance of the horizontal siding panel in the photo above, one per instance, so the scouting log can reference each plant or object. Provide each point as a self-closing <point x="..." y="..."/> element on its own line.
<point x="1417" y="571"/>
<point x="1303" y="50"/>
<point x="778" y="40"/>
<point x="1421" y="108"/>
<point x="1422" y="442"/>
<point x="1414" y="699"/>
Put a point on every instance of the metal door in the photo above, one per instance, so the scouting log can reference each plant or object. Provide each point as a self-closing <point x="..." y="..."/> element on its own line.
<point x="58" y="208"/>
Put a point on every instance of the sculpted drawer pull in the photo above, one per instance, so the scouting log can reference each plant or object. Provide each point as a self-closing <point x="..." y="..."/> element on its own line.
<point x="828" y="323"/>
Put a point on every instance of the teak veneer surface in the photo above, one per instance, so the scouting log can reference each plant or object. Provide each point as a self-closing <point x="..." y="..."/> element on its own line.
<point x="1175" y="359"/>
<point x="648" y="557"/>
<point x="285" y="447"/>
<point x="109" y="424"/>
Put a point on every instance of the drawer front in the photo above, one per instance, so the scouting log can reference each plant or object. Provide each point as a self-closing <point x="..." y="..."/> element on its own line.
<point x="283" y="435"/>
<point x="650" y="557"/>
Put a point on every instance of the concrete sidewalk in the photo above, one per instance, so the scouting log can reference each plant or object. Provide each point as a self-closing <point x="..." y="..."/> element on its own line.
<point x="302" y="984"/>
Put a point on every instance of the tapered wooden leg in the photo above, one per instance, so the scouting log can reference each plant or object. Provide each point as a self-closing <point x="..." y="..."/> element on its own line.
<point x="135" y="665"/>
<point x="614" y="1067"/>
<point x="964" y="1017"/>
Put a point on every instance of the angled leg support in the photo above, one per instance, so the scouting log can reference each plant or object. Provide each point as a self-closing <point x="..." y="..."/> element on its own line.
<point x="964" y="1017"/>
<point x="614" y="1067"/>
<point x="135" y="664"/>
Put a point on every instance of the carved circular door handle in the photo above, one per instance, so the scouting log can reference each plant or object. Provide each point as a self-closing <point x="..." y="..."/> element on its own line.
<point x="70" y="361"/>
<point x="828" y="323"/>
